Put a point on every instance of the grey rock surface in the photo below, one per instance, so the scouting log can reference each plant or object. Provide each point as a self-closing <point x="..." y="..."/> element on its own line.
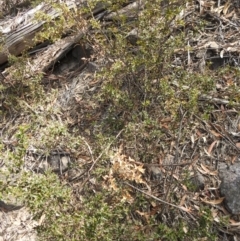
<point x="56" y="163"/>
<point x="154" y="172"/>
<point x="230" y="186"/>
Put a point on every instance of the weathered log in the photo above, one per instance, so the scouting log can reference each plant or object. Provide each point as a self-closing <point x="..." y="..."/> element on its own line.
<point x="130" y="11"/>
<point x="19" y="33"/>
<point x="50" y="56"/>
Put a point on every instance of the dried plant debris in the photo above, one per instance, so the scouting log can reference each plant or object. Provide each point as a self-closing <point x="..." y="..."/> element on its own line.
<point x="17" y="225"/>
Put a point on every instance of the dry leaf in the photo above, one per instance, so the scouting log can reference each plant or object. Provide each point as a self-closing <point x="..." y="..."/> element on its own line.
<point x="233" y="223"/>
<point x="226" y="7"/>
<point x="41" y="220"/>
<point x="238" y="145"/>
<point x="197" y="207"/>
<point x="216" y="219"/>
<point x="188" y="210"/>
<point x="213" y="173"/>
<point x="192" y="139"/>
<point x="206" y="152"/>
<point x="216" y="134"/>
<point x="211" y="147"/>
<point x="213" y="202"/>
<point x="212" y="45"/>
<point x="183" y="200"/>
<point x="176" y="177"/>
<point x="205" y="171"/>
<point x="153" y="204"/>
<point x="127" y="197"/>
<point x="184" y="187"/>
<point x="144" y="215"/>
<point x="113" y="185"/>
<point x="185" y="230"/>
<point x="234" y="158"/>
<point x="218" y="10"/>
<point x="214" y="213"/>
<point x="230" y="14"/>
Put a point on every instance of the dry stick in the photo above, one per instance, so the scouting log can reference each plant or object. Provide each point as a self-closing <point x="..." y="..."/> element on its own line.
<point x="95" y="161"/>
<point x="226" y="138"/>
<point x="215" y="100"/>
<point x="175" y="158"/>
<point x="160" y="200"/>
<point x="165" y="165"/>
<point x="119" y="133"/>
<point x="89" y="149"/>
<point x="219" y="132"/>
<point x="7" y="125"/>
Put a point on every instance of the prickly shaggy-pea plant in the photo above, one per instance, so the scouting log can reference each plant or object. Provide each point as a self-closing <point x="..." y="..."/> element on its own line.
<point x="139" y="94"/>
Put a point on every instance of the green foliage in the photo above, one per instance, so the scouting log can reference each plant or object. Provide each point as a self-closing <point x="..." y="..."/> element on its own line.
<point x="182" y="231"/>
<point x="47" y="198"/>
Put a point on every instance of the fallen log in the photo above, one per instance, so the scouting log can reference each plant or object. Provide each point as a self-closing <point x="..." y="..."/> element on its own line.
<point x="56" y="51"/>
<point x="21" y="31"/>
<point x="18" y="33"/>
<point x="50" y="56"/>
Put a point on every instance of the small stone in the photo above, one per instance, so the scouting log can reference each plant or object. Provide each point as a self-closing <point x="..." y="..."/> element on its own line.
<point x="64" y="163"/>
<point x="154" y="172"/>
<point x="54" y="163"/>
<point x="43" y="166"/>
<point x="133" y="37"/>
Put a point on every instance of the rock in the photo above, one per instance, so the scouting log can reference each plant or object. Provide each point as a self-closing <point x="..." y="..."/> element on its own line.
<point x="42" y="167"/>
<point x="154" y="172"/>
<point x="230" y="186"/>
<point x="133" y="37"/>
<point x="75" y="173"/>
<point x="59" y="163"/>
<point x="64" y="162"/>
<point x="56" y="163"/>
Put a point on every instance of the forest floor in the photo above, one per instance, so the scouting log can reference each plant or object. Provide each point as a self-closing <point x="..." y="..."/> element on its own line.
<point x="123" y="138"/>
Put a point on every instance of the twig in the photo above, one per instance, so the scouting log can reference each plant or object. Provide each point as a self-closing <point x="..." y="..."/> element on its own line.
<point x="95" y="161"/>
<point x="158" y="199"/>
<point x="119" y="133"/>
<point x="219" y="132"/>
<point x="226" y="138"/>
<point x="175" y="157"/>
<point x="89" y="149"/>
<point x="218" y="101"/>
<point x="29" y="107"/>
